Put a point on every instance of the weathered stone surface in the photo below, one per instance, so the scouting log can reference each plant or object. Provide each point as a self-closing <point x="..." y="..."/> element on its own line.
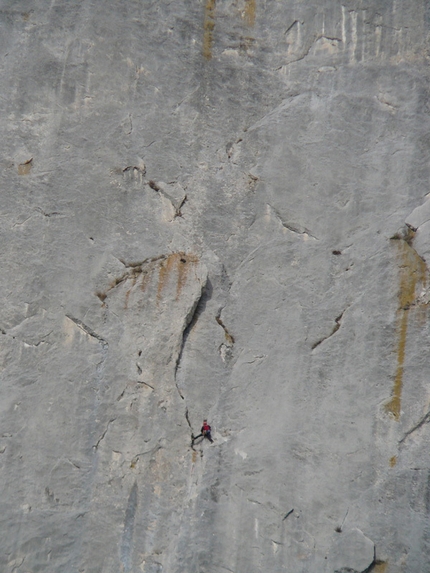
<point x="353" y="552"/>
<point x="214" y="209"/>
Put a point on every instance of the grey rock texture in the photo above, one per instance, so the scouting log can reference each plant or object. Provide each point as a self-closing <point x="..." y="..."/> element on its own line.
<point x="353" y="551"/>
<point x="214" y="209"/>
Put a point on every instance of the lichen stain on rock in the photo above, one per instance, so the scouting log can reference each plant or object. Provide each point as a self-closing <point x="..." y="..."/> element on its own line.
<point x="393" y="461"/>
<point x="208" y="27"/>
<point x="249" y="12"/>
<point x="179" y="262"/>
<point x="413" y="274"/>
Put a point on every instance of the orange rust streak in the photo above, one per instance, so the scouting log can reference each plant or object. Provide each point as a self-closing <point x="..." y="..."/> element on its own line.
<point x="380" y="567"/>
<point x="166" y="267"/>
<point x="183" y="268"/>
<point x="145" y="281"/>
<point x="394" y="405"/>
<point x="249" y="13"/>
<point x="182" y="276"/>
<point x="413" y="272"/>
<point x="127" y="294"/>
<point x="208" y="26"/>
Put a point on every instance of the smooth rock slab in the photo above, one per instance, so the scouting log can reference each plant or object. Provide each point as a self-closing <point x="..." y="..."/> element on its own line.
<point x="352" y="552"/>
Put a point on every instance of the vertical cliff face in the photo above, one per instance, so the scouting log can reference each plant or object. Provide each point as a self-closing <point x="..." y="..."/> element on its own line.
<point x="214" y="209"/>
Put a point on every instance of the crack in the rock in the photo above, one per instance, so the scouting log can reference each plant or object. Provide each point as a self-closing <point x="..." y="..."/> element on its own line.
<point x="424" y="420"/>
<point x="25" y="167"/>
<point x="335" y="329"/>
<point x="229" y="337"/>
<point x="134" y="269"/>
<point x="121" y="396"/>
<point x="339" y="528"/>
<point x="29" y="344"/>
<point x="41" y="341"/>
<point x="145" y="384"/>
<point x="179" y="391"/>
<point x="135" y="458"/>
<point x="190" y="321"/>
<point x="96" y="445"/>
<point x="291" y="26"/>
<point x="45" y="214"/>
<point x="193" y="437"/>
<point x="87" y="329"/>
<point x="293" y="227"/>
<point x="188" y="422"/>
<point x="176" y="206"/>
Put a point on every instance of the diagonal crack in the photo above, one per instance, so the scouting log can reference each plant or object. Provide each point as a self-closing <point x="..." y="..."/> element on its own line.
<point x="87" y="329"/>
<point x="293" y="227"/>
<point x="229" y="337"/>
<point x="424" y="420"/>
<point x="135" y="458"/>
<point x="335" y="329"/>
<point x="104" y="433"/>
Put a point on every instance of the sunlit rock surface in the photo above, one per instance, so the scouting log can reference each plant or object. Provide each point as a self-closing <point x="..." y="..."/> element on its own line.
<point x="214" y="209"/>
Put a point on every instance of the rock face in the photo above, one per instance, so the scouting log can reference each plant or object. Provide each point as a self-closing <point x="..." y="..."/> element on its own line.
<point x="214" y="209"/>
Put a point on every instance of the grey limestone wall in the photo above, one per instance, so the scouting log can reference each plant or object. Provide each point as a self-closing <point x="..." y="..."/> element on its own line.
<point x="214" y="208"/>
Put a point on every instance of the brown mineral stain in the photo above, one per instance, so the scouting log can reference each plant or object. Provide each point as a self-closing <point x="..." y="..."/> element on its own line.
<point x="208" y="27"/>
<point x="165" y="270"/>
<point x="380" y="567"/>
<point x="194" y="457"/>
<point x="127" y="296"/>
<point x="102" y="295"/>
<point x="413" y="274"/>
<point x="393" y="461"/>
<point x="25" y="168"/>
<point x="185" y="261"/>
<point x="179" y="262"/>
<point x="145" y="280"/>
<point x="249" y="12"/>
<point x="182" y="275"/>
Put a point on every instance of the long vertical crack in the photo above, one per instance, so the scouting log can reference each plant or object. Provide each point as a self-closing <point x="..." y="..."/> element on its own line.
<point x="190" y="321"/>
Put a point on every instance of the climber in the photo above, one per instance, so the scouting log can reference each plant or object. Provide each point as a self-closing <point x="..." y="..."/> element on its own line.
<point x="206" y="431"/>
